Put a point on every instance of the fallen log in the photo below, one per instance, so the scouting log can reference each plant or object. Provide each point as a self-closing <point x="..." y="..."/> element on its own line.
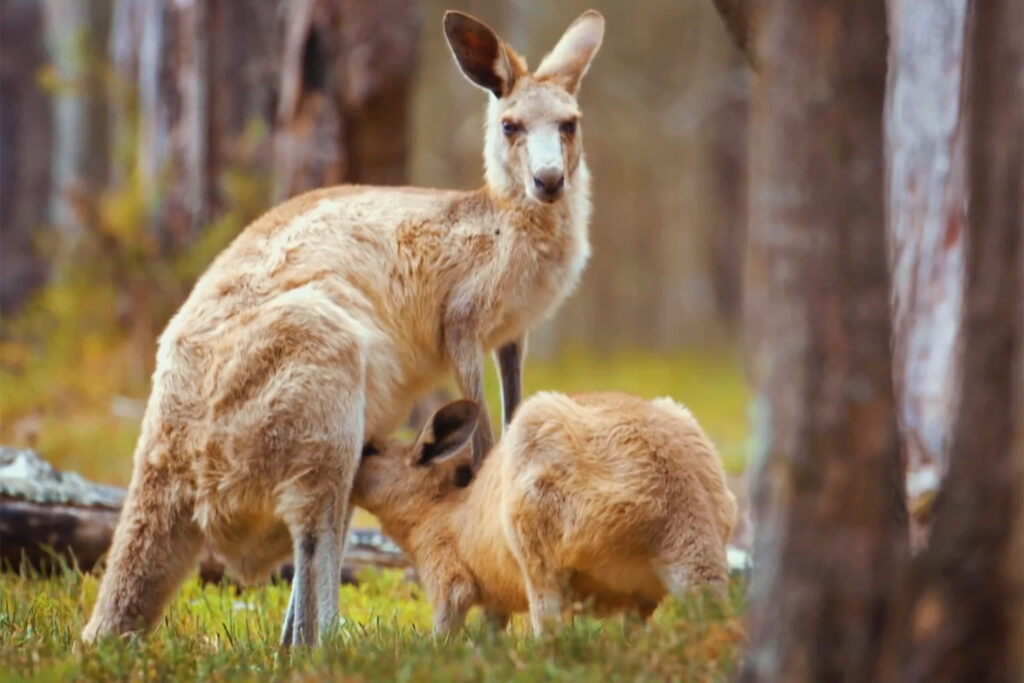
<point x="51" y="519"/>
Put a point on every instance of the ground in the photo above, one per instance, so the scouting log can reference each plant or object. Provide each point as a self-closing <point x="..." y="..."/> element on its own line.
<point x="217" y="633"/>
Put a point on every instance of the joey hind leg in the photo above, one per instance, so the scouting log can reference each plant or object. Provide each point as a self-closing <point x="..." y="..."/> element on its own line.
<point x="545" y="582"/>
<point x="545" y="593"/>
<point x="528" y="525"/>
<point x="451" y="603"/>
<point x="693" y="558"/>
<point x="448" y="618"/>
<point x="155" y="546"/>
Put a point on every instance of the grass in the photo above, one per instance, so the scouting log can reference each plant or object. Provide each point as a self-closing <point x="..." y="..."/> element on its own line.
<point x="217" y="633"/>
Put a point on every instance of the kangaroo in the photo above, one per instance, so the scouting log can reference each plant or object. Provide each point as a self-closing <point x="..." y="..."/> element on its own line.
<point x="325" y="319"/>
<point x="600" y="497"/>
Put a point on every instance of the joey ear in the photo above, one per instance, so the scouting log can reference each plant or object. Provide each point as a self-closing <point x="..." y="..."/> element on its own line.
<point x="447" y="431"/>
<point x="480" y="53"/>
<point x="568" y="62"/>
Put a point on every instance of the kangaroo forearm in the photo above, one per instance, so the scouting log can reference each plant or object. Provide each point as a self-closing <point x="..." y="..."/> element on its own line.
<point x="509" y="357"/>
<point x="466" y="355"/>
<point x="471" y="383"/>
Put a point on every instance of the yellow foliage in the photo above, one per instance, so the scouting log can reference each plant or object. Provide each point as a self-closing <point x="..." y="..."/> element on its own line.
<point x="122" y="211"/>
<point x="75" y="362"/>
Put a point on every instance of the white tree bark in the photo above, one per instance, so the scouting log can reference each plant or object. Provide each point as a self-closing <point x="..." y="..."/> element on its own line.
<point x="73" y="32"/>
<point x="926" y="208"/>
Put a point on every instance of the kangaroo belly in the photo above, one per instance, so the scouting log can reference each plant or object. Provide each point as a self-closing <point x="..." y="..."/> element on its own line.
<point x="250" y="544"/>
<point x="395" y="378"/>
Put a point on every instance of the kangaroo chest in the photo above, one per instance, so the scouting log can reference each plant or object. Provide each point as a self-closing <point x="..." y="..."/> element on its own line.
<point x="535" y="273"/>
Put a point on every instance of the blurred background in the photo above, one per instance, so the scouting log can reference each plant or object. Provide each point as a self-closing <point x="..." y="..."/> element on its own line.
<point x="138" y="137"/>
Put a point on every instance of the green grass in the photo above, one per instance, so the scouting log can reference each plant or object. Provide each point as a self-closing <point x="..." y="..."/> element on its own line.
<point x="216" y="633"/>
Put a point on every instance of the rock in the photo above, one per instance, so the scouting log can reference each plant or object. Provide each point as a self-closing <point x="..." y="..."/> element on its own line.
<point x="26" y="476"/>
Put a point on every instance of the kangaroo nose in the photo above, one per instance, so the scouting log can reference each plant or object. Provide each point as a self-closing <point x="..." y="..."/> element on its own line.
<point x="549" y="181"/>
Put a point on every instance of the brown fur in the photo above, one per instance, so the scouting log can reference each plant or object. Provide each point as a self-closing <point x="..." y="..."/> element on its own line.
<point x="315" y="331"/>
<point x="604" y="498"/>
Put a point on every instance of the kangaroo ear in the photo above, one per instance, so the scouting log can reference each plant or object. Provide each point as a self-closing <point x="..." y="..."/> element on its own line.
<point x="480" y="53"/>
<point x="447" y="431"/>
<point x="569" y="61"/>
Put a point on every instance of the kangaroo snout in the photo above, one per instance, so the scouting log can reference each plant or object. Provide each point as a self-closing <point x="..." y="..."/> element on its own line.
<point x="548" y="184"/>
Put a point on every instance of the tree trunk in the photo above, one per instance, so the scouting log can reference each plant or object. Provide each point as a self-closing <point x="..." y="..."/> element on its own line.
<point x="829" y="504"/>
<point x="967" y="587"/>
<point x="925" y="135"/>
<point x="226" y="89"/>
<point x="198" y="82"/>
<point x="50" y="518"/>
<point x="346" y="81"/>
<point x="27" y="137"/>
<point x="75" y="35"/>
<point x="227" y="107"/>
<point x="728" y="228"/>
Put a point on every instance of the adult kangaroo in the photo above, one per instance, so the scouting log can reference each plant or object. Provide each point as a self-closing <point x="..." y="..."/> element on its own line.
<point x="317" y="328"/>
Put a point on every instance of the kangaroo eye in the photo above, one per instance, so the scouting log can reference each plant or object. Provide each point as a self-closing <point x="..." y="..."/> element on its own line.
<point x="370" y="450"/>
<point x="568" y="127"/>
<point x="510" y="128"/>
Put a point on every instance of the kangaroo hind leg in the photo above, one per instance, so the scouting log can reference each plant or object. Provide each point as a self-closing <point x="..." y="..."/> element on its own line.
<point x="693" y="557"/>
<point x="156" y="544"/>
<point x="319" y="535"/>
<point x="314" y="503"/>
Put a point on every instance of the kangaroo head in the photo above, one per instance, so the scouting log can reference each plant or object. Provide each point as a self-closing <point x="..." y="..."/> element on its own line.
<point x="533" y="143"/>
<point x="399" y="481"/>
